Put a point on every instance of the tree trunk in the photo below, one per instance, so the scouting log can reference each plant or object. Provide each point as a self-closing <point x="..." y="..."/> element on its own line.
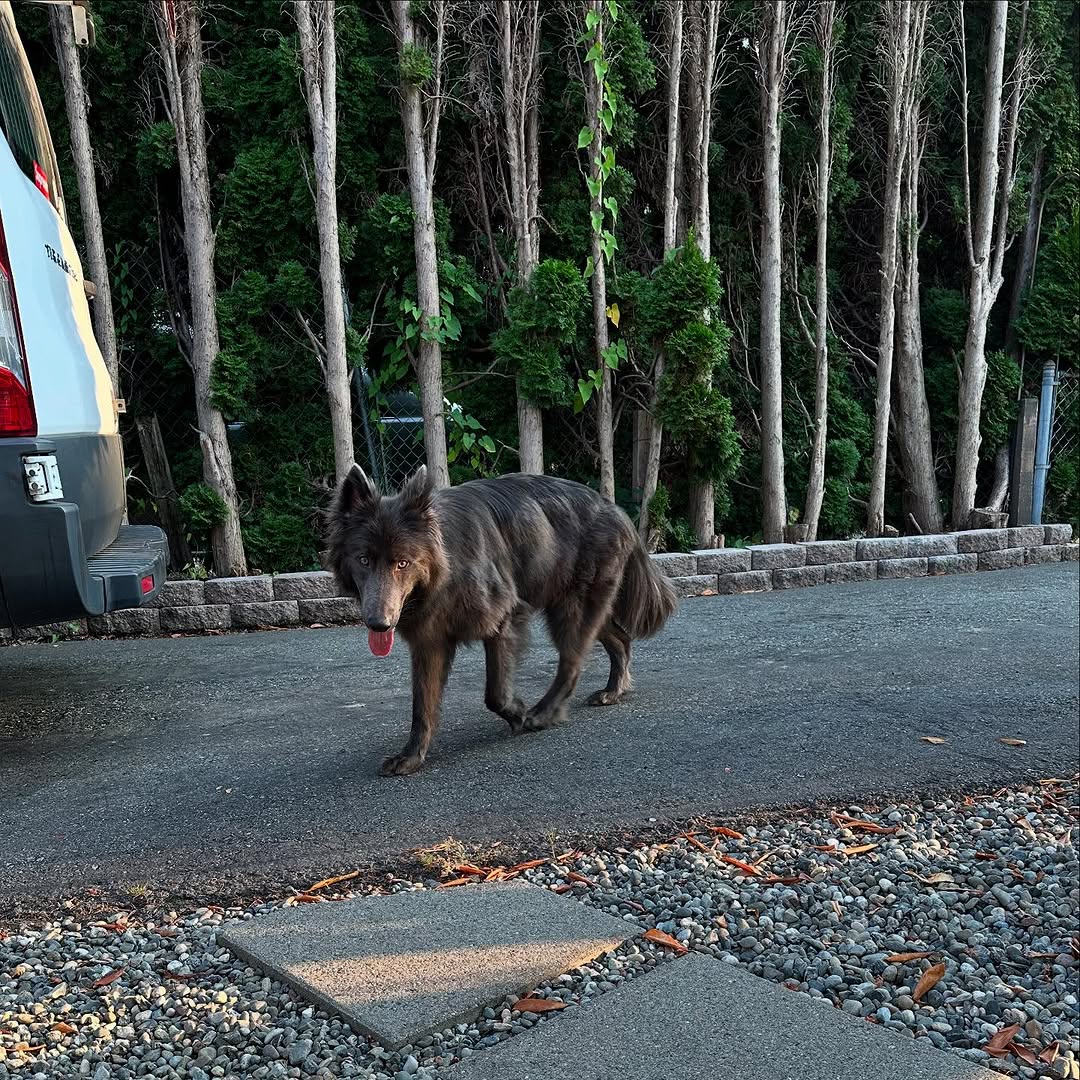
<point x="519" y="43"/>
<point x="181" y="48"/>
<point x="671" y="220"/>
<point x="76" y="102"/>
<point x="162" y="488"/>
<point x="913" y="433"/>
<point x="702" y="498"/>
<point x="981" y="292"/>
<point x="774" y="499"/>
<point x="318" y="55"/>
<point x="420" y="165"/>
<point x="815" y="484"/>
<point x="900" y="50"/>
<point x="1029" y="246"/>
<point x="604" y="413"/>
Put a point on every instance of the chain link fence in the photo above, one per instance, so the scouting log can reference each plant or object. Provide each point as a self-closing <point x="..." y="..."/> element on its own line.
<point x="1065" y="428"/>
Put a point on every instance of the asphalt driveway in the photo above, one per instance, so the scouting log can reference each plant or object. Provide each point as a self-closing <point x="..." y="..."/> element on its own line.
<point x="184" y="762"/>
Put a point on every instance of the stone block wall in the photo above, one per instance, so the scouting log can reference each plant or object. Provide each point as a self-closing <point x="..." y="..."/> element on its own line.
<point x="309" y="599"/>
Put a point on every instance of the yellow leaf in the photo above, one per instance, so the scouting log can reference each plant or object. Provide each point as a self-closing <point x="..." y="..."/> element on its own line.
<point x="613" y="314"/>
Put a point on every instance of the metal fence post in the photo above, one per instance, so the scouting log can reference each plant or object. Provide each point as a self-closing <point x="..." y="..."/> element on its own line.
<point x="1042" y="441"/>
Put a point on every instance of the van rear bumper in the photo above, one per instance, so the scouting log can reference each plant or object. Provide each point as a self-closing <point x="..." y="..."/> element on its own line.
<point x="46" y="573"/>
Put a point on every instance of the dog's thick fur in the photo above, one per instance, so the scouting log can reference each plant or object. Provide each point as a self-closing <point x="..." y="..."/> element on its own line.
<point x="472" y="563"/>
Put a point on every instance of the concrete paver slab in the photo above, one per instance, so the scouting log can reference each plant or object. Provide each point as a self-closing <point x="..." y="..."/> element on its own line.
<point x="399" y="967"/>
<point x="701" y="1019"/>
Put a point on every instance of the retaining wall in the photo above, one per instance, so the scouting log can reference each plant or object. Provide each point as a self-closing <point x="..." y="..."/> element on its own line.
<point x="306" y="599"/>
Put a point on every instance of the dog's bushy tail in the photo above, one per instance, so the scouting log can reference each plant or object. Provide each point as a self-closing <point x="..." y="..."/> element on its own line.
<point x="646" y="598"/>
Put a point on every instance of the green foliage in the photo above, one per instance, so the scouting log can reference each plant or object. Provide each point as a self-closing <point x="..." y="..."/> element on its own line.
<point x="202" y="508"/>
<point x="546" y="323"/>
<point x="1049" y="325"/>
<point x="675" y="533"/>
<point x="415" y="65"/>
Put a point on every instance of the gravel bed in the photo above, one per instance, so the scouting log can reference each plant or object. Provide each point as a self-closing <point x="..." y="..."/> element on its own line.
<point x="988" y="887"/>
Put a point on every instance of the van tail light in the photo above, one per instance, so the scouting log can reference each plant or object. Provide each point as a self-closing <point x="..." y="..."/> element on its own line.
<point x="16" y="400"/>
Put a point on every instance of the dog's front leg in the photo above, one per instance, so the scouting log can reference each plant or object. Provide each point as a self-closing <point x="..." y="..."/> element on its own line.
<point x="430" y="668"/>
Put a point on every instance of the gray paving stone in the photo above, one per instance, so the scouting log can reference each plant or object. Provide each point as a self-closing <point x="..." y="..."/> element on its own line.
<point x="675" y="563"/>
<point x="722" y="560"/>
<point x="399" y="967"/>
<point x="266" y="613"/>
<point x="907" y="547"/>
<point x="1070" y="552"/>
<point x="982" y="540"/>
<point x="839" y="573"/>
<point x="139" y="620"/>
<point x="1021" y="536"/>
<point x="695" y="585"/>
<point x="901" y="568"/>
<point x="199" y="617"/>
<point x="751" y="581"/>
<point x="1046" y="553"/>
<point x="1001" y="560"/>
<point x="940" y="565"/>
<point x="336" y="609"/>
<point x="1057" y="534"/>
<point x="238" y="590"/>
<point x="777" y="556"/>
<point x="824" y="552"/>
<point x="798" y="577"/>
<point x="184" y="593"/>
<point x="698" y="1018"/>
<point x="315" y="585"/>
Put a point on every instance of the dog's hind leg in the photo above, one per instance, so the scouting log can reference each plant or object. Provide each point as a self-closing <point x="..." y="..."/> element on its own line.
<point x="574" y="625"/>
<point x="430" y="668"/>
<point x="502" y="653"/>
<point x="616" y="642"/>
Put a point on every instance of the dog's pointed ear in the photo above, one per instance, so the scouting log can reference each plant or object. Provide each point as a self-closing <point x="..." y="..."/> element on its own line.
<point x="357" y="491"/>
<point x="416" y="492"/>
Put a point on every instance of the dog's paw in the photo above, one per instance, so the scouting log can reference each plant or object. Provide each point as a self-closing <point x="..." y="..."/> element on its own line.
<point x="401" y="764"/>
<point x="605" y="697"/>
<point x="539" y="721"/>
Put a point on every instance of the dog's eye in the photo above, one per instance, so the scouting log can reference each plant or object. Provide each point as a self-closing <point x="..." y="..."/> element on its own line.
<point x="403" y="564"/>
<point x="363" y="560"/>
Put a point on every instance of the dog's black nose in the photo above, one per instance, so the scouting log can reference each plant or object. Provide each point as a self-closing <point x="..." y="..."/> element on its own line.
<point x="378" y="626"/>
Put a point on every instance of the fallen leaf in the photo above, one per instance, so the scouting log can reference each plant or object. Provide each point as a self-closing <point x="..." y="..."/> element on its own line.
<point x="864" y="826"/>
<point x="178" y="978"/>
<point x="858" y="850"/>
<point x="317" y="626"/>
<point x="538" y="1005"/>
<point x="998" y="1043"/>
<point x="531" y="864"/>
<point x="327" y="882"/>
<point x="65" y="1028"/>
<point x="560" y="889"/>
<point x="722" y="830"/>
<point x="581" y="879"/>
<point x="115" y="927"/>
<point x="634" y="905"/>
<point x="693" y="841"/>
<point x="26" y="1048"/>
<point x="302" y="898"/>
<point x="930" y="978"/>
<point x="107" y="980"/>
<point x="745" y="867"/>
<point x="1041" y="955"/>
<point x="453" y="882"/>
<point x="906" y="957"/>
<point x="1074" y="944"/>
<point x="783" y="880"/>
<point x="468" y="868"/>
<point x="1013" y="742"/>
<point x="940" y="878"/>
<point x="989" y="856"/>
<point x="934" y="740"/>
<point x="1049" y="1055"/>
<point x="658" y="937"/>
<point x="1023" y="1053"/>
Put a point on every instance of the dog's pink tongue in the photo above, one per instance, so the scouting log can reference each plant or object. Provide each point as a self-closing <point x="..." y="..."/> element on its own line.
<point x="380" y="642"/>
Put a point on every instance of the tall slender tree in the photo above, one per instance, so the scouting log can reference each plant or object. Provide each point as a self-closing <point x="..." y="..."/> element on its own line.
<point x="179" y="35"/>
<point x="318" y="59"/>
<point x="815" y="484"/>
<point x="986" y="227"/>
<point x="420" y="63"/>
<point x="77" y="103"/>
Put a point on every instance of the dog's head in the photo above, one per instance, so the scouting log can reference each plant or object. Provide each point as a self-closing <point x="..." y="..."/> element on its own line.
<point x="384" y="548"/>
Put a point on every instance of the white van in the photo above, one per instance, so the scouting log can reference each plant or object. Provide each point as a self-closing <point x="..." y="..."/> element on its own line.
<point x="64" y="551"/>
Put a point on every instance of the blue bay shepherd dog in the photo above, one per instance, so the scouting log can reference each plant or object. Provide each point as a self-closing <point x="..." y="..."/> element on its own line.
<point x="472" y="563"/>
